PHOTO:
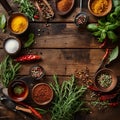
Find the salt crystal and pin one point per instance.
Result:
(12, 45)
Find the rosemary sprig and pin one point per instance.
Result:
(67, 99)
(26, 7)
(8, 70)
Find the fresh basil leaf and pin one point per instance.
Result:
(114, 54)
(30, 40)
(2, 21)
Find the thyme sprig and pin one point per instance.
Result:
(67, 99)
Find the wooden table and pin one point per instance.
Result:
(64, 48)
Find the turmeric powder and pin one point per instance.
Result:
(64, 5)
(99, 6)
(19, 24)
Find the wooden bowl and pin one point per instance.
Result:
(90, 2)
(18, 90)
(64, 12)
(18, 24)
(42, 94)
(108, 84)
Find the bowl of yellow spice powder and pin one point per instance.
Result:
(99, 8)
(18, 23)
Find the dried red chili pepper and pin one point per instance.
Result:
(113, 104)
(103, 44)
(36, 16)
(36, 113)
(27, 58)
(91, 87)
(107, 97)
(106, 54)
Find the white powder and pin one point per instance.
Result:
(12, 46)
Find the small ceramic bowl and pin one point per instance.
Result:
(12, 45)
(42, 94)
(105, 80)
(62, 13)
(15, 23)
(90, 2)
(18, 90)
(37, 72)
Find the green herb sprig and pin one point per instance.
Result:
(8, 70)
(67, 99)
(106, 26)
(26, 7)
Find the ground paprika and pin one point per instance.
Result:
(42, 93)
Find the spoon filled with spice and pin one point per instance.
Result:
(81, 18)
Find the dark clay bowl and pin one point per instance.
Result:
(103, 13)
(5, 43)
(42, 94)
(65, 12)
(18, 90)
(111, 85)
(11, 18)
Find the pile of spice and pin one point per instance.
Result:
(104, 80)
(37, 72)
(99, 6)
(42, 93)
(19, 24)
(64, 5)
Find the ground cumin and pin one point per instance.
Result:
(99, 6)
(64, 5)
(19, 24)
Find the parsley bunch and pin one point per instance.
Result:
(27, 8)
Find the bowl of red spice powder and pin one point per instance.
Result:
(42, 94)
(99, 8)
(64, 6)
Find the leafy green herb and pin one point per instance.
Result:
(114, 54)
(116, 3)
(2, 22)
(67, 99)
(30, 40)
(106, 26)
(26, 7)
(8, 70)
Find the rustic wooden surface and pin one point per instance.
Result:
(64, 48)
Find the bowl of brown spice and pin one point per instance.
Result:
(63, 7)
(105, 80)
(42, 94)
(99, 8)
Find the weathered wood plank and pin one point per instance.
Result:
(65, 61)
(59, 35)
